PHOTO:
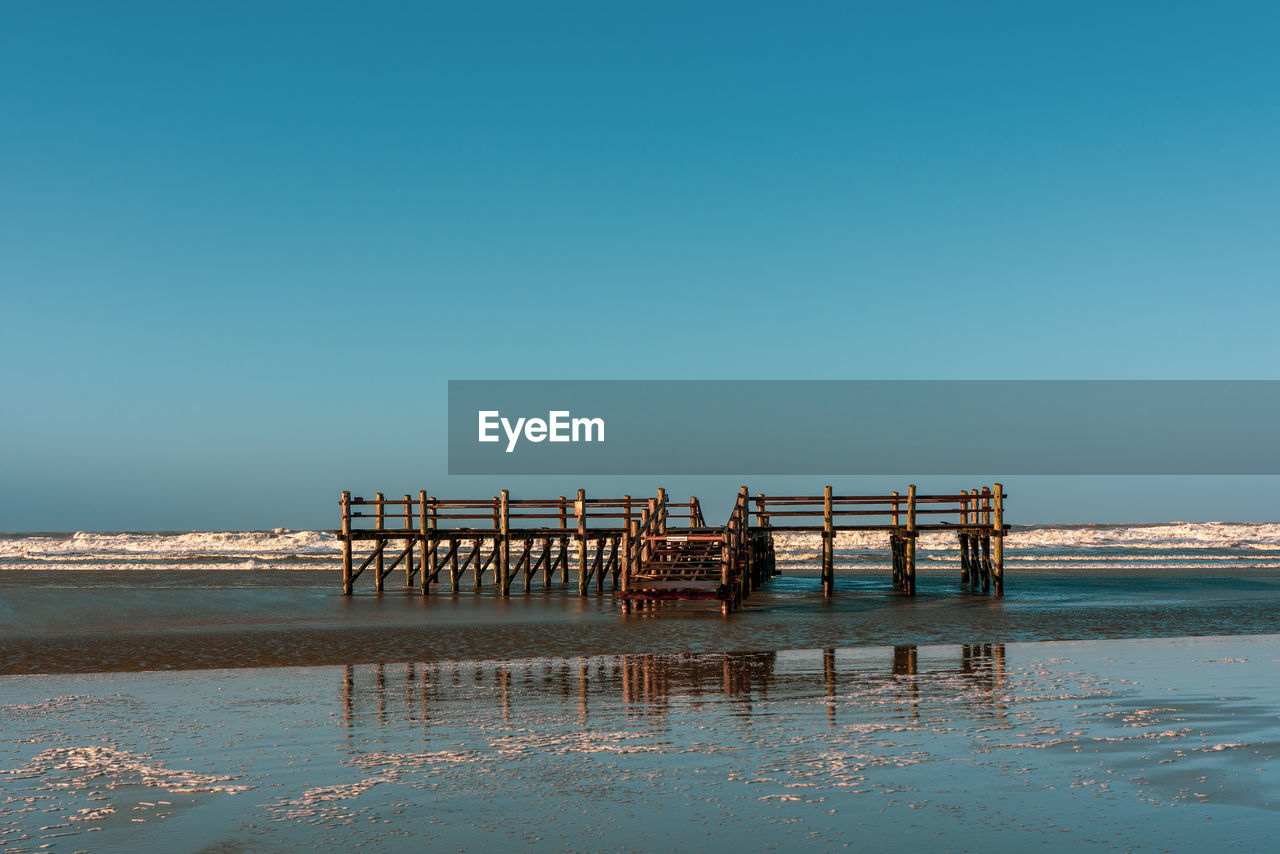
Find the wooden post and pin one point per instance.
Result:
(651, 511)
(564, 541)
(895, 545)
(896, 521)
(828, 545)
(997, 566)
(346, 543)
(453, 564)
(662, 514)
(504, 544)
(425, 581)
(731, 531)
(911, 540)
(964, 536)
(432, 522)
(377, 564)
(408, 544)
(628, 548)
(744, 534)
(580, 509)
(986, 539)
(638, 544)
(725, 575)
(628, 542)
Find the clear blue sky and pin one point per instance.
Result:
(244, 245)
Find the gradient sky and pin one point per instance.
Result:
(243, 246)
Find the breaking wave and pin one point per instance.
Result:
(1174, 544)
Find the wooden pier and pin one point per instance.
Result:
(651, 550)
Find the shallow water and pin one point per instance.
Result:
(1167, 744)
(145, 620)
(548, 721)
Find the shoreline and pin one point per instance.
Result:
(994, 747)
(52, 628)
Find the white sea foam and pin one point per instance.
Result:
(1177, 543)
(108, 767)
(1174, 535)
(193, 543)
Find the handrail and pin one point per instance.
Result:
(970, 508)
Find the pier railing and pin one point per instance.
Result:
(977, 517)
(478, 534)
(410, 514)
(654, 548)
(724, 563)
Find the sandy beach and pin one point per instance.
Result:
(260, 710)
(1156, 744)
(216, 692)
(96, 620)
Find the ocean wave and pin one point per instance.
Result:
(277, 542)
(1175, 543)
(1220, 535)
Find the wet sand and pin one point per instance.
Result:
(61, 622)
(1113, 709)
(1162, 745)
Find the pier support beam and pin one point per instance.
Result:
(580, 510)
(909, 585)
(377, 566)
(346, 543)
(564, 541)
(429, 542)
(828, 546)
(997, 566)
(504, 543)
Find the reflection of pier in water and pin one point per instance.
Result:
(650, 685)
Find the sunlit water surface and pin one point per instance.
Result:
(1165, 744)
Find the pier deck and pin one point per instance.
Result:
(653, 550)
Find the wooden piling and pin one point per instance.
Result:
(408, 544)
(564, 540)
(828, 545)
(425, 581)
(504, 543)
(997, 566)
(650, 524)
(346, 543)
(910, 580)
(628, 545)
(618, 571)
(433, 535)
(455, 577)
(726, 576)
(580, 510)
(986, 539)
(377, 565)
(743, 531)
